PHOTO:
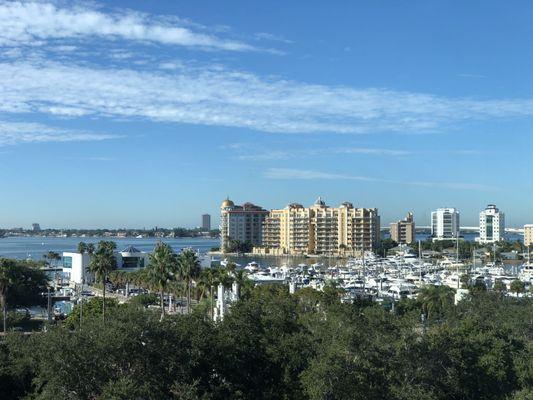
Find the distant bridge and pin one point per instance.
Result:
(474, 229)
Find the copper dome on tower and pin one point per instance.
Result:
(227, 203)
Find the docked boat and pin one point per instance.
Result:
(252, 267)
(224, 263)
(526, 274)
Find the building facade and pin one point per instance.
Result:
(491, 225)
(206, 222)
(76, 265)
(528, 234)
(445, 224)
(241, 223)
(320, 229)
(403, 231)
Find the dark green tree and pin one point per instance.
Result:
(163, 269)
(103, 261)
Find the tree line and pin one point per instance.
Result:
(274, 345)
(271, 345)
(155, 232)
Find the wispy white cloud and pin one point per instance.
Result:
(94, 158)
(372, 151)
(171, 65)
(13, 133)
(214, 95)
(64, 48)
(299, 174)
(235, 146)
(27, 22)
(272, 37)
(268, 155)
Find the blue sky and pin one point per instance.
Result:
(137, 114)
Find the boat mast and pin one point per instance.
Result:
(457, 249)
(457, 262)
(420, 260)
(474, 258)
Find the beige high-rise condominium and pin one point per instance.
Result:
(321, 229)
(241, 223)
(403, 231)
(528, 235)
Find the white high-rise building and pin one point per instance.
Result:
(445, 224)
(491, 225)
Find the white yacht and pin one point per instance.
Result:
(224, 263)
(526, 274)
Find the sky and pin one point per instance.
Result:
(141, 114)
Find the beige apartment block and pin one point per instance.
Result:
(528, 234)
(242, 223)
(403, 231)
(320, 229)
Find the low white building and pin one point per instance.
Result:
(491, 225)
(76, 265)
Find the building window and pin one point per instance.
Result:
(130, 262)
(67, 262)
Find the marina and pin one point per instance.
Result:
(392, 277)
(399, 274)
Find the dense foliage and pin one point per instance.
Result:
(235, 246)
(22, 284)
(274, 345)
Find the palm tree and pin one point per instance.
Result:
(117, 277)
(208, 280)
(203, 283)
(189, 269)
(82, 247)
(52, 258)
(435, 299)
(162, 270)
(224, 276)
(176, 288)
(90, 249)
(240, 276)
(102, 263)
(231, 267)
(7, 278)
(120, 278)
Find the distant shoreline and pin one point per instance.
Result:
(107, 237)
